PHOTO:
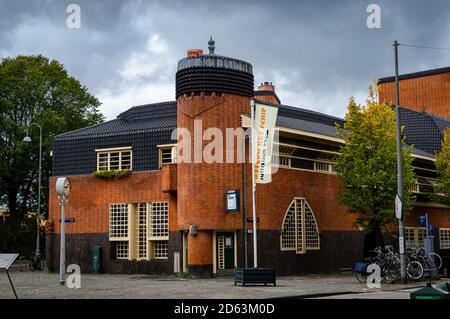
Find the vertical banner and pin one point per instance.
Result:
(264, 129)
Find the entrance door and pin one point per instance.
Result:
(225, 253)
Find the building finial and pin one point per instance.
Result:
(211, 45)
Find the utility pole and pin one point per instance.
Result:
(244, 201)
(27, 139)
(254, 141)
(62, 247)
(401, 225)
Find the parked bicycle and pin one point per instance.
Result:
(431, 262)
(389, 263)
(36, 262)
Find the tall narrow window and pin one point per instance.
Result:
(444, 238)
(118, 222)
(159, 221)
(141, 233)
(159, 230)
(299, 232)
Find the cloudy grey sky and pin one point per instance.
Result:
(317, 53)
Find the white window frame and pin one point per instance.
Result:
(122, 250)
(146, 237)
(417, 235)
(173, 154)
(116, 225)
(300, 216)
(109, 151)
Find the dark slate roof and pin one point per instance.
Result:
(423, 130)
(138, 119)
(415, 75)
(308, 126)
(305, 120)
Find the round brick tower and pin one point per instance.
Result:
(212, 91)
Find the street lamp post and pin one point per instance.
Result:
(401, 224)
(27, 139)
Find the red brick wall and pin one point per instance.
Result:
(202, 252)
(267, 98)
(438, 217)
(319, 190)
(90, 197)
(430, 93)
(202, 186)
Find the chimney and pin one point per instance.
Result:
(194, 52)
(266, 92)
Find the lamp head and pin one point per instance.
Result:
(27, 139)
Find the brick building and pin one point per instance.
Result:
(426, 91)
(168, 214)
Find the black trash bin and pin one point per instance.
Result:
(446, 266)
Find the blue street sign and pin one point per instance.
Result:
(68, 220)
(423, 221)
(430, 230)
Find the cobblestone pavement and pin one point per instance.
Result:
(46, 285)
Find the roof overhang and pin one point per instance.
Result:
(246, 123)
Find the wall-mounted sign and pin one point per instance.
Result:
(423, 221)
(250, 220)
(232, 200)
(68, 220)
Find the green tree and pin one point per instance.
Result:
(36, 89)
(367, 168)
(443, 170)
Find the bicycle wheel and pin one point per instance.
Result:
(392, 271)
(435, 260)
(362, 277)
(414, 270)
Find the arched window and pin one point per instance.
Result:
(299, 231)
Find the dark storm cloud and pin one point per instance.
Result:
(318, 53)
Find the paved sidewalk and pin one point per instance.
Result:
(46, 285)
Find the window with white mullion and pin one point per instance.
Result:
(160, 249)
(167, 155)
(299, 231)
(159, 221)
(122, 250)
(109, 160)
(118, 222)
(414, 237)
(141, 233)
(444, 238)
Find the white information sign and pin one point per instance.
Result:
(6, 260)
(398, 207)
(401, 242)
